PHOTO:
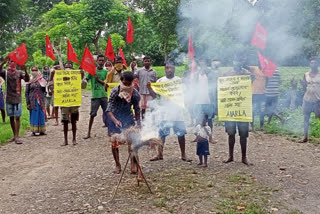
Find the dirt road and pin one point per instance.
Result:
(39, 176)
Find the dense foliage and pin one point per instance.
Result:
(159, 26)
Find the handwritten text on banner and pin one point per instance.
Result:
(235, 98)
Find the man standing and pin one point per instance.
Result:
(51, 88)
(243, 127)
(172, 116)
(145, 75)
(49, 100)
(203, 103)
(99, 95)
(74, 114)
(258, 95)
(311, 99)
(13, 79)
(120, 114)
(272, 94)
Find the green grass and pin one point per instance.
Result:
(5, 128)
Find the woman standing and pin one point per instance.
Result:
(35, 97)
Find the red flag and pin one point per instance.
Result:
(130, 31)
(191, 55)
(87, 62)
(49, 49)
(109, 50)
(72, 56)
(123, 58)
(19, 55)
(190, 48)
(268, 67)
(259, 38)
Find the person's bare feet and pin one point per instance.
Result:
(87, 137)
(245, 161)
(204, 165)
(156, 158)
(56, 124)
(64, 144)
(199, 164)
(186, 159)
(17, 141)
(304, 140)
(11, 140)
(117, 170)
(74, 142)
(228, 161)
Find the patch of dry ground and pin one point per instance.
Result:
(42, 177)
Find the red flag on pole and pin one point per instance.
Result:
(268, 67)
(259, 38)
(19, 55)
(109, 50)
(191, 55)
(190, 48)
(130, 31)
(72, 56)
(123, 58)
(49, 49)
(87, 62)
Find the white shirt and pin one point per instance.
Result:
(168, 110)
(203, 131)
(202, 94)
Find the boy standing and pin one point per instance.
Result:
(145, 75)
(99, 95)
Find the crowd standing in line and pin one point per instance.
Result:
(129, 101)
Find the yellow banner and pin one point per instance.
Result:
(67, 88)
(235, 98)
(111, 86)
(173, 90)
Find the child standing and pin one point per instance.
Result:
(203, 135)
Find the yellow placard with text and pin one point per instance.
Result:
(67, 88)
(172, 90)
(111, 86)
(235, 98)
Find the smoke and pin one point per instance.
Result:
(221, 27)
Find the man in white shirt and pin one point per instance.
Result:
(172, 116)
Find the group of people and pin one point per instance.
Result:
(127, 103)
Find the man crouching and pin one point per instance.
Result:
(120, 116)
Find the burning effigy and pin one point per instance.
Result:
(134, 139)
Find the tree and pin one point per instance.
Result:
(163, 15)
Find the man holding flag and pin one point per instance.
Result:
(13, 78)
(99, 95)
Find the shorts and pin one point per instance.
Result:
(14, 109)
(112, 129)
(49, 101)
(258, 103)
(201, 110)
(96, 103)
(243, 128)
(271, 104)
(65, 111)
(309, 107)
(203, 148)
(145, 98)
(178, 127)
(1, 102)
